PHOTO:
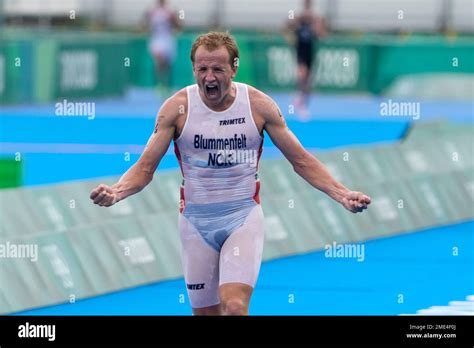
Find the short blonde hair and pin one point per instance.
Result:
(214, 40)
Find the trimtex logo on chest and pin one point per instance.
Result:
(231, 122)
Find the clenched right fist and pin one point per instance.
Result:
(104, 195)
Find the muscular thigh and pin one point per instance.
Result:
(241, 254)
(200, 266)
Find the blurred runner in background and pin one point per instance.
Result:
(303, 32)
(161, 21)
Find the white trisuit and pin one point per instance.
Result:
(221, 220)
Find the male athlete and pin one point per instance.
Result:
(217, 127)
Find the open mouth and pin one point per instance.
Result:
(212, 90)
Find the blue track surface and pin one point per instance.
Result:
(64, 148)
(59, 137)
(420, 266)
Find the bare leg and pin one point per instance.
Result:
(304, 88)
(162, 71)
(303, 79)
(235, 298)
(212, 310)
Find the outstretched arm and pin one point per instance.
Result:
(319, 26)
(176, 22)
(305, 164)
(141, 173)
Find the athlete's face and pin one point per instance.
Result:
(214, 74)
